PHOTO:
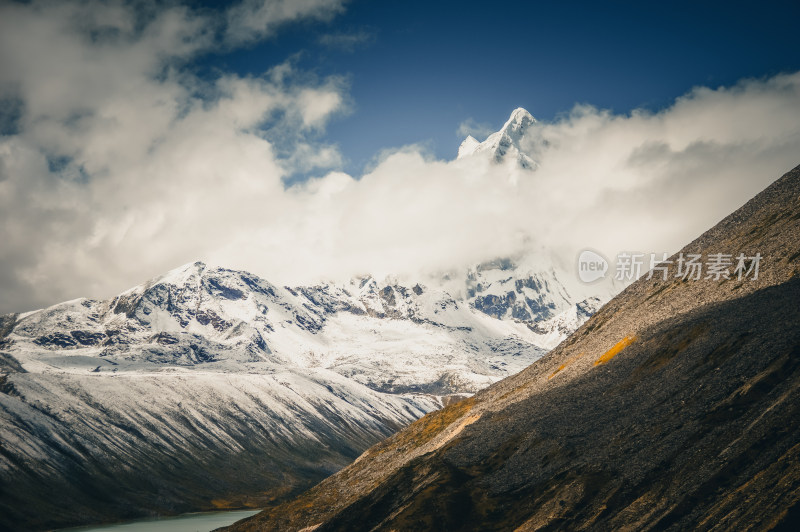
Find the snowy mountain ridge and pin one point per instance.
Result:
(228, 321)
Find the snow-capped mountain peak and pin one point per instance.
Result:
(182, 274)
(505, 144)
(468, 146)
(519, 120)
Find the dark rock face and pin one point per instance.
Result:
(674, 407)
(56, 340)
(492, 305)
(387, 294)
(88, 337)
(217, 289)
(7, 323)
(209, 316)
(308, 323)
(540, 308)
(125, 305)
(527, 298)
(588, 307)
(165, 339)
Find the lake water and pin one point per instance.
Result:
(199, 522)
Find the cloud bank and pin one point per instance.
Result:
(118, 163)
(646, 182)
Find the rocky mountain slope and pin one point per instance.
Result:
(674, 407)
(212, 388)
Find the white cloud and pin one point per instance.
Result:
(646, 182)
(318, 104)
(123, 165)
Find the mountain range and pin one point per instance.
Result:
(211, 388)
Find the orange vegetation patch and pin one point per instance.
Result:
(223, 504)
(614, 351)
(569, 361)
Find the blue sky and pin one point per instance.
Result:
(416, 70)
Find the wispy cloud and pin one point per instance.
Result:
(252, 20)
(471, 127)
(347, 42)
